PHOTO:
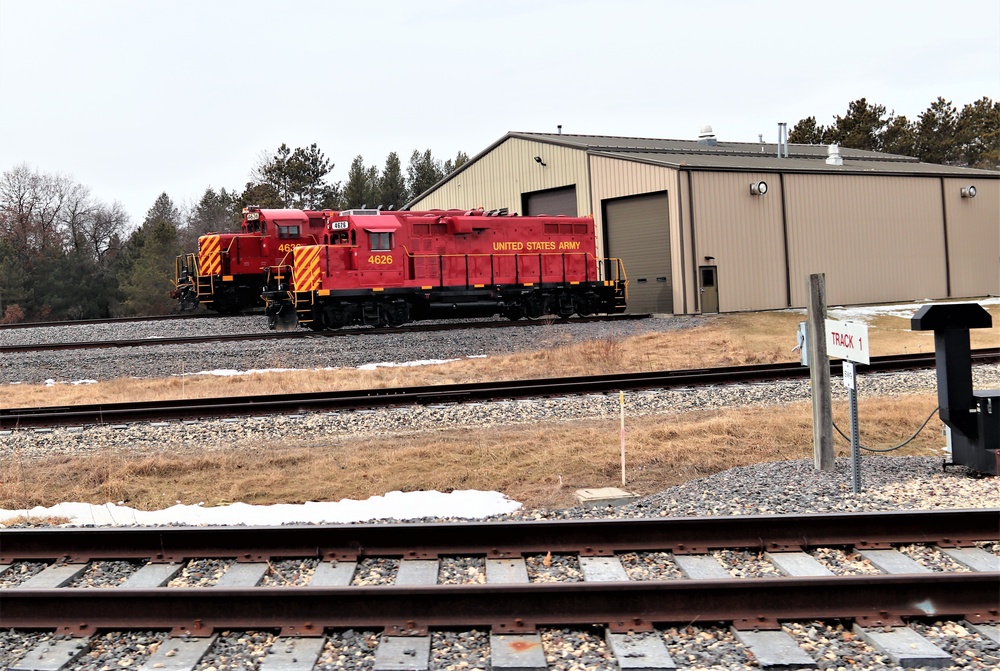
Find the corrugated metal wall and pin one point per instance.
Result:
(877, 238)
(499, 178)
(744, 234)
(973, 237)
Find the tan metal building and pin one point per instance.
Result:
(697, 233)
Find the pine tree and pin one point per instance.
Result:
(147, 267)
(392, 193)
(937, 128)
(361, 189)
(423, 172)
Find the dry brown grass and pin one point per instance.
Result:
(539, 464)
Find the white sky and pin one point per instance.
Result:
(136, 98)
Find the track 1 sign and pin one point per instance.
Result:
(847, 340)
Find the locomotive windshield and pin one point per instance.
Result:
(253, 222)
(339, 235)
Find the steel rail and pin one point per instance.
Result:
(680, 535)
(298, 335)
(507, 608)
(116, 413)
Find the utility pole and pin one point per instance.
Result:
(819, 374)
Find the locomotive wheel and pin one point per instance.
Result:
(534, 308)
(334, 318)
(397, 314)
(587, 305)
(513, 312)
(564, 306)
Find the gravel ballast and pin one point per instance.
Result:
(380, 345)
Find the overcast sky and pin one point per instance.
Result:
(133, 99)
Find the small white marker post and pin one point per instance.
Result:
(849, 341)
(851, 384)
(621, 397)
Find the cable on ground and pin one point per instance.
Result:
(895, 447)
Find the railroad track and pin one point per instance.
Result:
(122, 320)
(505, 594)
(243, 406)
(292, 335)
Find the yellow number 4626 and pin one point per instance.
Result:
(380, 260)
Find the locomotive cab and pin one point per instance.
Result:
(230, 268)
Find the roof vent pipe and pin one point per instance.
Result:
(707, 137)
(833, 156)
(559, 128)
(782, 139)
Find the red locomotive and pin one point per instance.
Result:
(229, 269)
(390, 268)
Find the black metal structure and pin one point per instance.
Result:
(973, 417)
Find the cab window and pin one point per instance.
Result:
(288, 231)
(380, 242)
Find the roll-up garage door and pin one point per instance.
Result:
(551, 201)
(637, 230)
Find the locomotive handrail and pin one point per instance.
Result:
(491, 256)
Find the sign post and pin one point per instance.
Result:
(849, 341)
(819, 374)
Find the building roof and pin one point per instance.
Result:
(600, 143)
(764, 162)
(741, 156)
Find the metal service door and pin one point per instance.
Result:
(550, 201)
(637, 230)
(708, 279)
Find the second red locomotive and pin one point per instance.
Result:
(390, 268)
(228, 271)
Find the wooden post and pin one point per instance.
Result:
(819, 374)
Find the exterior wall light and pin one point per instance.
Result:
(758, 188)
(968, 192)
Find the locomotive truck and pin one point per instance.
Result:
(389, 268)
(227, 272)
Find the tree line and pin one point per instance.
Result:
(64, 254)
(941, 134)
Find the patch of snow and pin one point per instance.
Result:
(464, 504)
(232, 372)
(864, 313)
(391, 364)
